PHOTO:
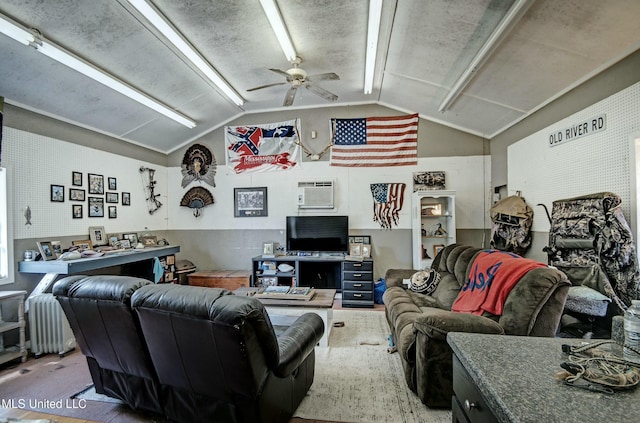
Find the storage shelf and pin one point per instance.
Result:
(440, 200)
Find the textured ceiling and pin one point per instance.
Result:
(423, 47)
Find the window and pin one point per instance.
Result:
(6, 239)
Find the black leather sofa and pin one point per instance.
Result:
(192, 354)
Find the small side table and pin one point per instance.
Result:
(8, 353)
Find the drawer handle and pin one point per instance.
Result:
(357, 295)
(357, 285)
(469, 405)
(357, 275)
(357, 265)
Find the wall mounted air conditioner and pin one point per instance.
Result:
(315, 195)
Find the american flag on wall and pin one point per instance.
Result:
(375, 141)
(387, 203)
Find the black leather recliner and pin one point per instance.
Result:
(108, 333)
(189, 353)
(217, 356)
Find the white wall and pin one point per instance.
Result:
(467, 175)
(39, 161)
(595, 163)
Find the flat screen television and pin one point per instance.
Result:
(327, 234)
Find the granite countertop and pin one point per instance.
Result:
(516, 376)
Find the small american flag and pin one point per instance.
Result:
(375, 141)
(387, 203)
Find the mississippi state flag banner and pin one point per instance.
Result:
(263, 148)
(375, 141)
(387, 203)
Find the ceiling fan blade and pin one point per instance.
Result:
(330, 76)
(291, 95)
(281, 72)
(327, 95)
(267, 86)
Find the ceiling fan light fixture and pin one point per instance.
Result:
(59, 54)
(373, 32)
(277, 24)
(162, 25)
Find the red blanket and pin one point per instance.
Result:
(493, 274)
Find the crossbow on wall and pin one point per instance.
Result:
(152, 200)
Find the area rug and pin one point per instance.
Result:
(90, 394)
(358, 381)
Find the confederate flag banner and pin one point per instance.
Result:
(375, 141)
(263, 148)
(387, 203)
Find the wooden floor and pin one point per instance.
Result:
(41, 389)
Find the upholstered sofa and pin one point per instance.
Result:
(420, 323)
(191, 354)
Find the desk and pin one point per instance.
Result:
(53, 268)
(514, 377)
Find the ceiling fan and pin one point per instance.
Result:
(297, 77)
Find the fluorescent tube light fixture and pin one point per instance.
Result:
(511, 18)
(373, 31)
(59, 54)
(275, 19)
(162, 25)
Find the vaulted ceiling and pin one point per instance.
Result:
(424, 46)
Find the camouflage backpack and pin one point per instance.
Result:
(591, 230)
(511, 220)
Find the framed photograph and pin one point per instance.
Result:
(57, 248)
(98, 236)
(76, 194)
(76, 211)
(83, 244)
(437, 248)
(149, 241)
(125, 243)
(111, 197)
(113, 213)
(46, 250)
(96, 207)
(355, 250)
(132, 238)
(112, 184)
(267, 249)
(76, 179)
(360, 239)
(57, 193)
(96, 183)
(126, 198)
(428, 180)
(366, 250)
(250, 202)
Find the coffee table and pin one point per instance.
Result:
(284, 312)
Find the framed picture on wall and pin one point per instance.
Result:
(113, 212)
(112, 184)
(76, 211)
(76, 179)
(76, 194)
(96, 207)
(112, 197)
(126, 198)
(96, 184)
(57, 193)
(250, 202)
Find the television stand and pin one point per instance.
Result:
(324, 271)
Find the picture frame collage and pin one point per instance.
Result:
(360, 246)
(92, 195)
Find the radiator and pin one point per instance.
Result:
(49, 328)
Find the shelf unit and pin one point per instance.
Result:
(433, 224)
(11, 352)
(321, 271)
